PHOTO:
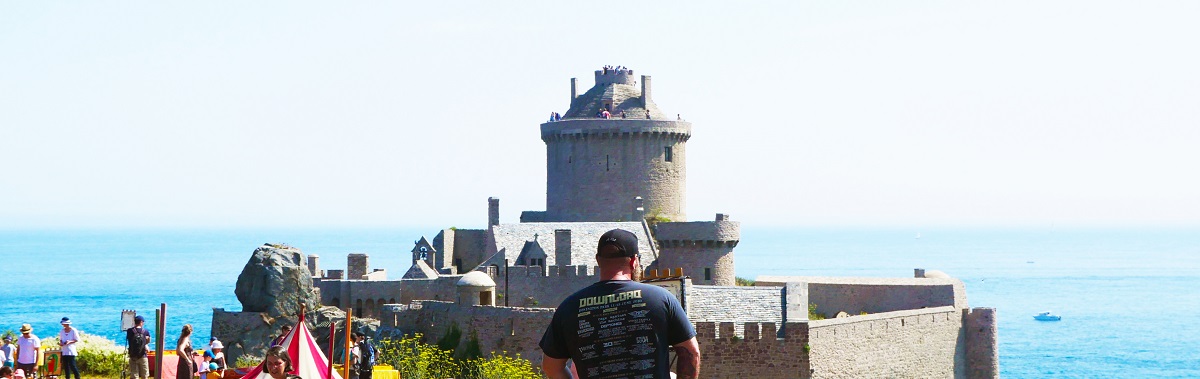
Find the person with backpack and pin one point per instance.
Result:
(138, 340)
(366, 363)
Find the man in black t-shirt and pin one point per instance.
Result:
(619, 328)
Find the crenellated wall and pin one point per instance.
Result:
(920, 343)
(737, 305)
(757, 353)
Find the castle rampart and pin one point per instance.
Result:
(757, 353)
(921, 343)
(736, 305)
(874, 295)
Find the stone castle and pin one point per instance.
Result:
(614, 160)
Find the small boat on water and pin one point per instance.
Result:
(1047, 316)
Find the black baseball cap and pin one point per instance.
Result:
(625, 242)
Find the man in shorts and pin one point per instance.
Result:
(28, 347)
(138, 340)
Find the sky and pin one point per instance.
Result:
(805, 114)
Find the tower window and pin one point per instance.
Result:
(707, 273)
(667, 153)
(607, 162)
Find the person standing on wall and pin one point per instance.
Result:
(138, 340)
(28, 348)
(618, 327)
(67, 339)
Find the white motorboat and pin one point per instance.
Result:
(1047, 316)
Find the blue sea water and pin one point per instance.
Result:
(1127, 296)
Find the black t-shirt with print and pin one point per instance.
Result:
(618, 329)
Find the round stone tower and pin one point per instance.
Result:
(625, 167)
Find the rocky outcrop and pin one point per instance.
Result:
(273, 286)
(251, 333)
(276, 281)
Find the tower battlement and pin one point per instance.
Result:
(604, 77)
(611, 147)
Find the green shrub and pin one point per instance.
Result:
(450, 340)
(98, 356)
(812, 313)
(500, 367)
(247, 360)
(471, 350)
(743, 281)
(416, 359)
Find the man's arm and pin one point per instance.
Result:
(555, 368)
(688, 353)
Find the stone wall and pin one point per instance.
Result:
(875, 295)
(594, 168)
(364, 296)
(757, 353)
(515, 330)
(983, 355)
(463, 246)
(442, 288)
(528, 286)
(922, 343)
(737, 305)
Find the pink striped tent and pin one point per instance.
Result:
(308, 361)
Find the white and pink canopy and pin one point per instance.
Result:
(308, 361)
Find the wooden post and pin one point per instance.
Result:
(160, 321)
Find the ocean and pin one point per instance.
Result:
(1128, 297)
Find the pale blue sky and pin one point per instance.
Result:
(910, 114)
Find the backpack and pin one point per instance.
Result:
(137, 341)
(368, 353)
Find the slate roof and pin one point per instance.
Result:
(624, 98)
(584, 235)
(532, 250)
(420, 270)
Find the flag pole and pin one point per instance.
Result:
(332, 337)
(349, 325)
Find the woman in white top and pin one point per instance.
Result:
(67, 338)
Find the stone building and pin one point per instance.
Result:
(615, 161)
